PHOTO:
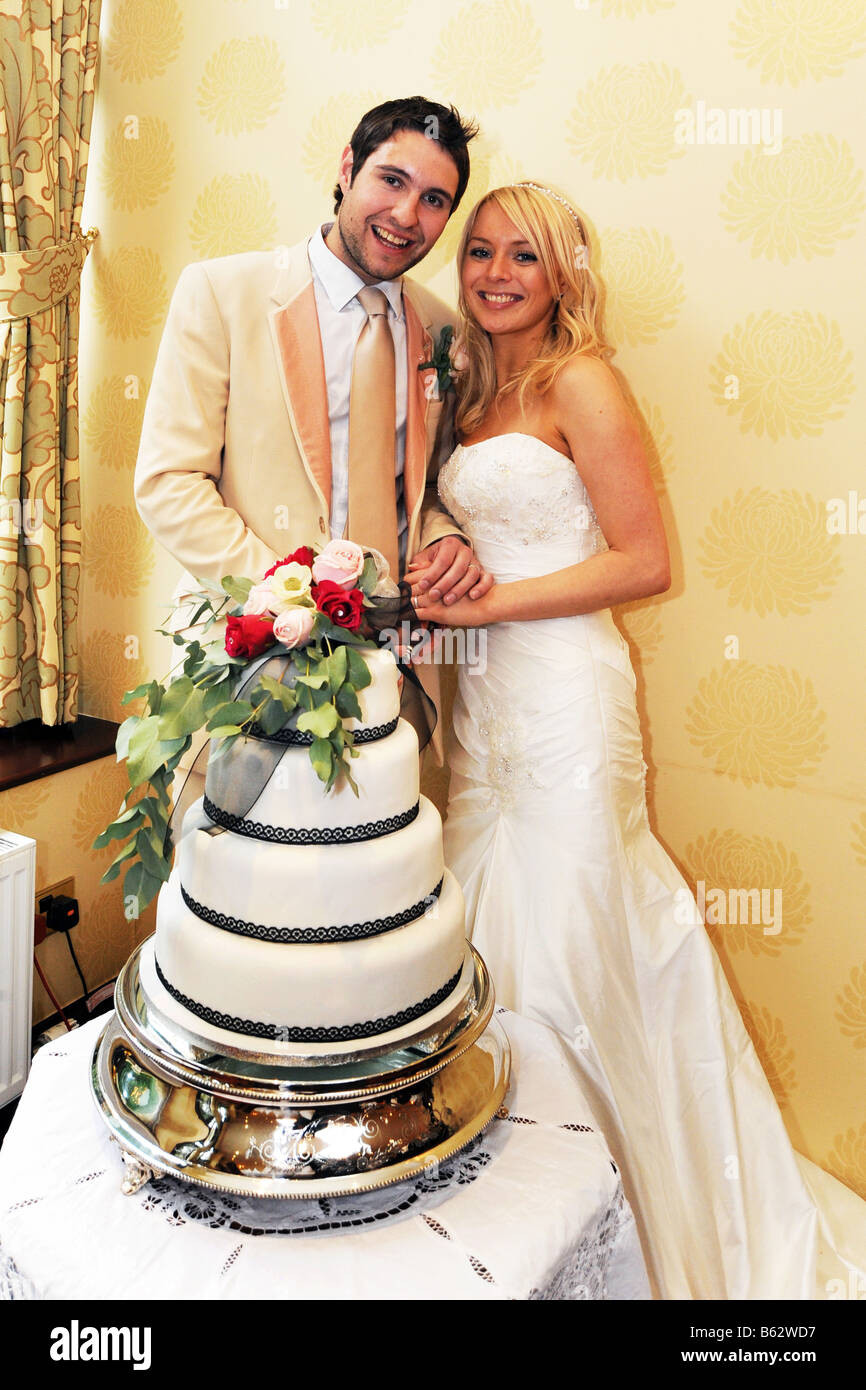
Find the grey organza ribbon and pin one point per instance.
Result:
(416, 707)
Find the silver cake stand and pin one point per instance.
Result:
(262, 1125)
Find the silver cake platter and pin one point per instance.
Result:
(142, 1001)
(255, 1124)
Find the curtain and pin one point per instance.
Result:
(48, 50)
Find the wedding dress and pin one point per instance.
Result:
(578, 911)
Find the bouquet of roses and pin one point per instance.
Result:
(311, 608)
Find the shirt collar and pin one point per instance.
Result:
(340, 283)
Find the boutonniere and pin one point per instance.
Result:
(444, 366)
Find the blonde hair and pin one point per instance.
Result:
(558, 236)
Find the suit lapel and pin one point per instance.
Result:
(298, 346)
(297, 343)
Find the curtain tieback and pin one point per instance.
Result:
(33, 281)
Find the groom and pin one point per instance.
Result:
(287, 405)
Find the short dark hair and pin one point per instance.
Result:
(413, 113)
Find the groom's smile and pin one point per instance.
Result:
(389, 239)
(394, 207)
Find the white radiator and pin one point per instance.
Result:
(17, 888)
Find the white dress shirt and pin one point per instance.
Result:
(341, 318)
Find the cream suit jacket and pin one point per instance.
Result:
(234, 467)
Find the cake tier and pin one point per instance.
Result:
(303, 992)
(309, 886)
(379, 701)
(386, 772)
(230, 1041)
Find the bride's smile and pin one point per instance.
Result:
(504, 282)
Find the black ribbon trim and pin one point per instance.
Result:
(325, 835)
(357, 931)
(296, 739)
(347, 1032)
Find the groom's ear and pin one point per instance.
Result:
(347, 160)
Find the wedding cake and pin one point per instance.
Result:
(313, 921)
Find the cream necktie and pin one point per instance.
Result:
(372, 519)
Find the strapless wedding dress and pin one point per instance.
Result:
(578, 910)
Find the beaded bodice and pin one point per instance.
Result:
(514, 489)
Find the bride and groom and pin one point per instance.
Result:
(275, 391)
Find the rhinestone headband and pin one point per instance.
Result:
(550, 193)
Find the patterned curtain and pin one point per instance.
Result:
(48, 50)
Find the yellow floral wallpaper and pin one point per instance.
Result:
(715, 151)
(64, 814)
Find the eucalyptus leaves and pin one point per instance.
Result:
(316, 691)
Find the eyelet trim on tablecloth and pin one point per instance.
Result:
(180, 1202)
(297, 739)
(346, 1032)
(325, 835)
(358, 931)
(583, 1275)
(14, 1286)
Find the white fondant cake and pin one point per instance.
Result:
(312, 920)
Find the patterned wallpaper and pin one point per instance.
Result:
(717, 154)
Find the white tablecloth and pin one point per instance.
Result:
(533, 1209)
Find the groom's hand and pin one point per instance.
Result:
(446, 571)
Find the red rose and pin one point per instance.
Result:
(249, 635)
(343, 606)
(302, 556)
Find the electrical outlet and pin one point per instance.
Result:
(66, 886)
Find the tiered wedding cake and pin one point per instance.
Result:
(321, 922)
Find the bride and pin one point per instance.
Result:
(570, 899)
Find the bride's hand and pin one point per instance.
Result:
(464, 612)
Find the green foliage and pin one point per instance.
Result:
(314, 680)
(322, 756)
(229, 712)
(347, 703)
(238, 589)
(320, 721)
(324, 628)
(282, 693)
(357, 670)
(149, 749)
(182, 708)
(441, 360)
(336, 667)
(321, 680)
(368, 576)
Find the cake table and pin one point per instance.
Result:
(532, 1209)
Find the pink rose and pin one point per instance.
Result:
(259, 602)
(293, 627)
(340, 562)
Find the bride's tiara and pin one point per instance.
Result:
(550, 193)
